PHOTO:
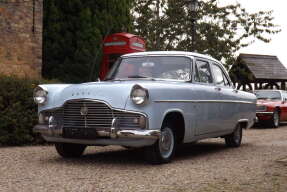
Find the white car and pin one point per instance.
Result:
(154, 100)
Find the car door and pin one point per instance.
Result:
(207, 109)
(227, 97)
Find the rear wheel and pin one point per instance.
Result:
(164, 148)
(275, 121)
(69, 150)
(234, 139)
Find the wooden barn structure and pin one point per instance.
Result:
(252, 71)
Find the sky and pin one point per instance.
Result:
(277, 46)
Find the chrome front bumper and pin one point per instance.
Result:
(113, 133)
(264, 113)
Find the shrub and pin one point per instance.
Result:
(18, 113)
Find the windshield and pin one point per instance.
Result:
(273, 95)
(154, 67)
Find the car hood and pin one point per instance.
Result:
(114, 94)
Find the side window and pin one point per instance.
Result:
(202, 72)
(219, 76)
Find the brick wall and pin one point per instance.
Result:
(21, 37)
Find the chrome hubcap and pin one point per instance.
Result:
(276, 119)
(166, 142)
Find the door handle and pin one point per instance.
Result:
(235, 91)
(217, 88)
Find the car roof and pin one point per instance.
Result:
(170, 53)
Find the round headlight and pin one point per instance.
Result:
(40, 95)
(139, 95)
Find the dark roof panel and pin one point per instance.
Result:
(264, 66)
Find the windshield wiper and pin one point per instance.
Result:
(112, 79)
(274, 98)
(139, 76)
(262, 98)
(133, 76)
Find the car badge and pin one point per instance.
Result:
(84, 110)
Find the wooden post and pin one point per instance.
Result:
(244, 87)
(260, 85)
(255, 85)
(238, 86)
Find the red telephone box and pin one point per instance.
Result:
(118, 44)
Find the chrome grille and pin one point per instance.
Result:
(125, 120)
(99, 115)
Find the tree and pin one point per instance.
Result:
(73, 33)
(220, 30)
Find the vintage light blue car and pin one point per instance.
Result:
(154, 100)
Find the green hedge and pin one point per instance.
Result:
(18, 113)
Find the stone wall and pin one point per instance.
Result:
(21, 37)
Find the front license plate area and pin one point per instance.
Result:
(79, 133)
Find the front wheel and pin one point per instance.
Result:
(234, 139)
(69, 150)
(275, 121)
(164, 148)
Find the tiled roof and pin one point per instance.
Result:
(264, 66)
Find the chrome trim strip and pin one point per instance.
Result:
(95, 100)
(203, 101)
(135, 112)
(266, 112)
(44, 88)
(139, 134)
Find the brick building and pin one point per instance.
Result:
(21, 37)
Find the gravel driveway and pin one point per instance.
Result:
(205, 166)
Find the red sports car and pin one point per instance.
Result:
(271, 107)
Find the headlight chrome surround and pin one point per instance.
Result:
(40, 95)
(139, 95)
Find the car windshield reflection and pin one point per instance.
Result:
(152, 67)
(268, 95)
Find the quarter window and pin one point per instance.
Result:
(219, 76)
(202, 72)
